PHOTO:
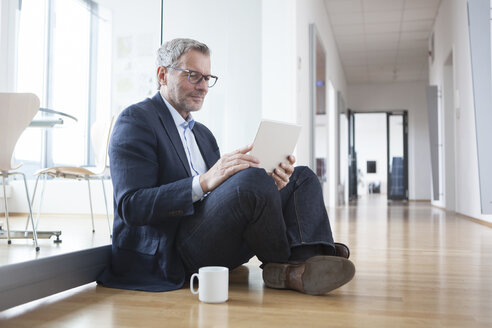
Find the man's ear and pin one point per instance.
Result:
(161, 75)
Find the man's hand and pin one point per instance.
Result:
(226, 166)
(282, 173)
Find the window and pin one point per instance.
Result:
(69, 79)
(30, 76)
(87, 58)
(64, 56)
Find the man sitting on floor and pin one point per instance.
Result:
(180, 206)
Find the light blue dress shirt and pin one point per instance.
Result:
(195, 159)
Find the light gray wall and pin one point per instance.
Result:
(448, 148)
(480, 44)
(314, 12)
(307, 12)
(232, 30)
(434, 140)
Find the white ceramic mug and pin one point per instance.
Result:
(213, 284)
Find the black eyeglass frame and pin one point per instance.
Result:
(204, 76)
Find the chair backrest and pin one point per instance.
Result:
(16, 112)
(100, 136)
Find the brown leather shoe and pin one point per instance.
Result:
(342, 250)
(316, 276)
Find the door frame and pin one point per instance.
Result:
(352, 157)
(353, 193)
(404, 115)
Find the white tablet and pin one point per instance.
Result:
(274, 141)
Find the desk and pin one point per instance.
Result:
(45, 122)
(50, 119)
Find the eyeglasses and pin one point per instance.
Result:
(195, 77)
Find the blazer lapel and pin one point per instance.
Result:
(171, 130)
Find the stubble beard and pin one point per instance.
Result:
(186, 103)
(190, 104)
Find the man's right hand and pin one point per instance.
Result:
(226, 166)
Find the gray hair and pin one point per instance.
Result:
(170, 52)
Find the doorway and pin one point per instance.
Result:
(377, 151)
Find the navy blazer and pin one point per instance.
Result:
(152, 186)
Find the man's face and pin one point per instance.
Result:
(175, 87)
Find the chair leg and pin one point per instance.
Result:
(34, 233)
(107, 212)
(32, 202)
(6, 209)
(41, 200)
(90, 203)
(38, 214)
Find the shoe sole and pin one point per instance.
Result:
(326, 273)
(319, 274)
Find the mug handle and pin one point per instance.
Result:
(191, 283)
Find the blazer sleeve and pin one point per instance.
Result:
(140, 198)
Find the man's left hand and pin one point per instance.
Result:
(282, 173)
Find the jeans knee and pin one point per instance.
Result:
(305, 172)
(257, 181)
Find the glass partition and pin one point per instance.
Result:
(89, 59)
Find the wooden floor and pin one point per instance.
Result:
(76, 234)
(417, 266)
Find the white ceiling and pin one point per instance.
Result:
(383, 40)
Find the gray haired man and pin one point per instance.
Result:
(180, 205)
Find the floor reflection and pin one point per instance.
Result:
(76, 235)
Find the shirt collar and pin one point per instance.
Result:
(178, 119)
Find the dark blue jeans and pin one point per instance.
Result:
(247, 215)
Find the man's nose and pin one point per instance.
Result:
(202, 85)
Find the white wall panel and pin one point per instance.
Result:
(451, 36)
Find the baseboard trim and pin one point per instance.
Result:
(2, 214)
(466, 217)
(439, 207)
(469, 218)
(28, 281)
